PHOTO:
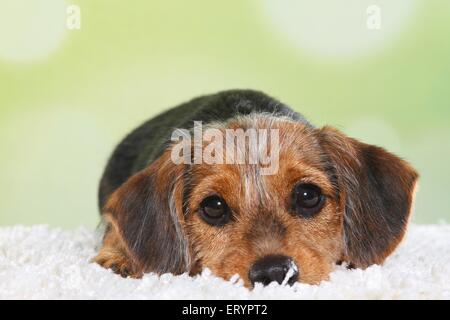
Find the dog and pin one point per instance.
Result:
(330, 199)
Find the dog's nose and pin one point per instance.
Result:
(277, 268)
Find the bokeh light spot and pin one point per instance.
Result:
(31, 30)
(337, 29)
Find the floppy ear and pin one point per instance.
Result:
(146, 212)
(376, 193)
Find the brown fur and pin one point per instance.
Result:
(356, 223)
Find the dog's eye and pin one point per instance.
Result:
(308, 199)
(215, 211)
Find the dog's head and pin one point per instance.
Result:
(330, 199)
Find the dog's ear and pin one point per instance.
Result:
(376, 194)
(146, 212)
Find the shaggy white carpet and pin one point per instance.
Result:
(44, 263)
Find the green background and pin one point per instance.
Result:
(65, 103)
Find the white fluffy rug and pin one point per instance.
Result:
(44, 263)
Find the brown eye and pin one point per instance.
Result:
(308, 199)
(214, 210)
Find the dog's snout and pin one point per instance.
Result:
(277, 268)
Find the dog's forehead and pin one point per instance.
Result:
(293, 138)
(294, 142)
(298, 153)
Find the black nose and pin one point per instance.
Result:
(274, 268)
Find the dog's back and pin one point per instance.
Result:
(148, 141)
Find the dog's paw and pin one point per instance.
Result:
(117, 262)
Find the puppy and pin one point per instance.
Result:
(329, 198)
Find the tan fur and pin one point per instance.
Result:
(263, 223)
(313, 244)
